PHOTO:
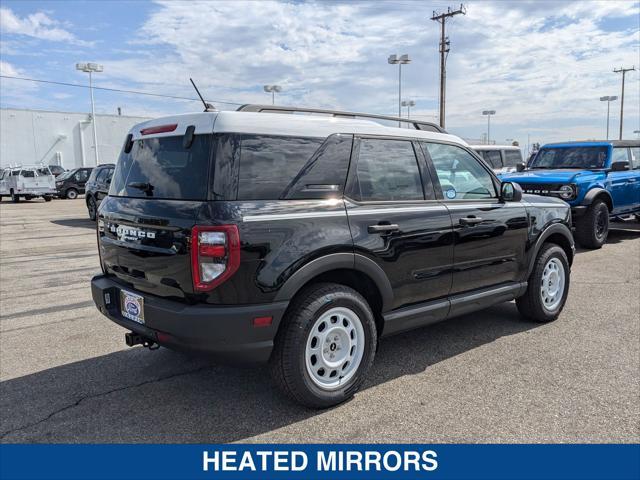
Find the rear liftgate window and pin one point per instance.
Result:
(162, 167)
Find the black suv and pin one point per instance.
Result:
(71, 183)
(97, 187)
(301, 240)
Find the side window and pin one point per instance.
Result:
(101, 176)
(620, 154)
(493, 158)
(324, 174)
(94, 175)
(387, 170)
(269, 163)
(461, 176)
(109, 174)
(512, 158)
(635, 157)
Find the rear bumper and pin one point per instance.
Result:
(225, 332)
(36, 192)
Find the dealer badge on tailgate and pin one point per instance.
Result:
(132, 306)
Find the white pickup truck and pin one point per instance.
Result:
(27, 182)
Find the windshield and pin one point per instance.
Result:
(66, 174)
(162, 167)
(571, 157)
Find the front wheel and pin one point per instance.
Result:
(548, 285)
(71, 194)
(14, 198)
(325, 347)
(593, 228)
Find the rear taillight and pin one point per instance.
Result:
(215, 255)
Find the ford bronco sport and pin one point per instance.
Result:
(302, 239)
(599, 180)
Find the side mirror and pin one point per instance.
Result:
(520, 167)
(620, 166)
(510, 192)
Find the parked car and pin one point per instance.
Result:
(71, 183)
(97, 187)
(300, 240)
(502, 158)
(56, 170)
(27, 182)
(600, 180)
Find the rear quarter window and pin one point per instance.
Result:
(268, 164)
(512, 158)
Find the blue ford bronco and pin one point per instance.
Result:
(599, 179)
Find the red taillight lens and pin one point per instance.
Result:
(215, 255)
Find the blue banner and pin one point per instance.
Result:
(308, 462)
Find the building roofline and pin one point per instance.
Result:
(33, 110)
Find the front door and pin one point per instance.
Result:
(396, 220)
(490, 235)
(623, 183)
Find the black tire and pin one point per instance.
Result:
(288, 363)
(71, 194)
(28, 197)
(92, 207)
(531, 305)
(592, 229)
(47, 198)
(14, 198)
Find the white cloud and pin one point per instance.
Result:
(7, 69)
(37, 25)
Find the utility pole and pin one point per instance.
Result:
(444, 50)
(623, 71)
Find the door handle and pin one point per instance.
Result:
(383, 228)
(470, 221)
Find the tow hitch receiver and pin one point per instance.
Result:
(132, 339)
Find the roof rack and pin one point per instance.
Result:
(417, 124)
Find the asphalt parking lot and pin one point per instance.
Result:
(67, 376)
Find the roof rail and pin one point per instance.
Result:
(417, 124)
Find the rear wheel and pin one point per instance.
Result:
(325, 347)
(592, 229)
(47, 198)
(71, 194)
(92, 207)
(14, 198)
(548, 285)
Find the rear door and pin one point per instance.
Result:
(145, 223)
(396, 220)
(490, 235)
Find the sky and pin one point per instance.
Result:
(541, 65)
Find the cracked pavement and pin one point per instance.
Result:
(67, 376)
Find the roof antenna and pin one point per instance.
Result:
(207, 106)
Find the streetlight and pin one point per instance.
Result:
(92, 68)
(608, 99)
(488, 113)
(408, 104)
(399, 60)
(273, 89)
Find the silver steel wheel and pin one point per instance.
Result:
(72, 194)
(552, 284)
(335, 347)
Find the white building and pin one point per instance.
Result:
(60, 138)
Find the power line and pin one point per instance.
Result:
(444, 53)
(117, 90)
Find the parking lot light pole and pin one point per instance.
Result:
(608, 99)
(92, 68)
(399, 60)
(488, 113)
(408, 104)
(273, 89)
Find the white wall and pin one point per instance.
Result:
(60, 138)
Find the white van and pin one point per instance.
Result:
(501, 158)
(27, 182)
